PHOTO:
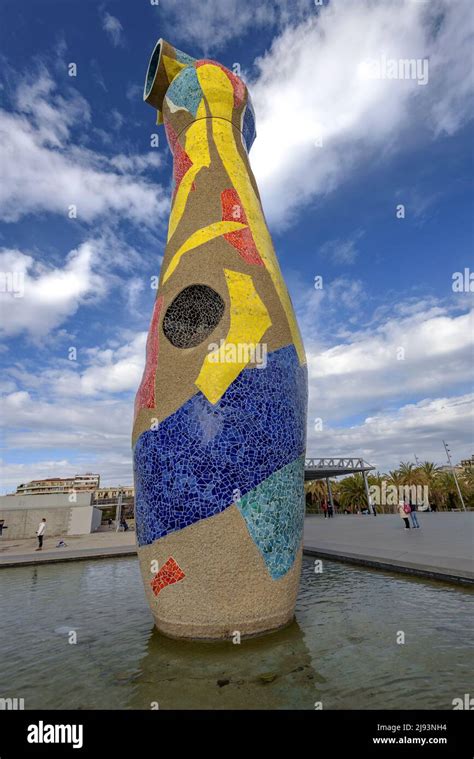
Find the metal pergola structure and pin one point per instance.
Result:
(337, 466)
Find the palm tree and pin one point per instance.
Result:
(395, 478)
(408, 473)
(351, 492)
(429, 476)
(429, 470)
(467, 487)
(317, 492)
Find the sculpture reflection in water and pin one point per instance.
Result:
(269, 672)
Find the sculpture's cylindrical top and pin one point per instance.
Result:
(176, 84)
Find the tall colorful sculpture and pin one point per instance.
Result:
(220, 415)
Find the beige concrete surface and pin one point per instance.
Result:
(442, 548)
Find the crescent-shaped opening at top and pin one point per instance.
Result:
(152, 69)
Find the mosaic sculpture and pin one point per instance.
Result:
(220, 415)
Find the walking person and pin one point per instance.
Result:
(413, 516)
(330, 510)
(40, 534)
(402, 510)
(324, 507)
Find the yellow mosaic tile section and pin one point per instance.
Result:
(213, 80)
(197, 148)
(199, 237)
(249, 320)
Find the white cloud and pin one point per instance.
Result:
(41, 297)
(419, 355)
(136, 163)
(38, 423)
(110, 371)
(44, 171)
(113, 27)
(309, 87)
(50, 113)
(341, 251)
(393, 436)
(96, 372)
(210, 24)
(97, 431)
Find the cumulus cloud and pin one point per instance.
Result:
(319, 117)
(416, 356)
(392, 436)
(109, 371)
(43, 170)
(36, 298)
(96, 434)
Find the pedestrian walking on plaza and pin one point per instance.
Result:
(330, 510)
(414, 518)
(402, 510)
(40, 533)
(324, 507)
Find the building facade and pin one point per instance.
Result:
(84, 483)
(101, 495)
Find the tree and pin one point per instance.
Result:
(317, 492)
(409, 475)
(351, 492)
(429, 476)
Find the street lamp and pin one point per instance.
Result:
(448, 454)
(118, 511)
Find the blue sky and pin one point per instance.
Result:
(389, 343)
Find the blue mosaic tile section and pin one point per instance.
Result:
(184, 58)
(274, 513)
(185, 90)
(189, 467)
(248, 125)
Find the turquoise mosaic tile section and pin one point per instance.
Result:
(185, 91)
(274, 513)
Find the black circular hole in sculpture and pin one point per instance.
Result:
(192, 316)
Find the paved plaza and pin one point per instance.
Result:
(442, 548)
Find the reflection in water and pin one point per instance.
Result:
(258, 672)
(342, 649)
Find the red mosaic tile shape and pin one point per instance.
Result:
(182, 162)
(145, 397)
(242, 240)
(169, 573)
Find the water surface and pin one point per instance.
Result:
(342, 649)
